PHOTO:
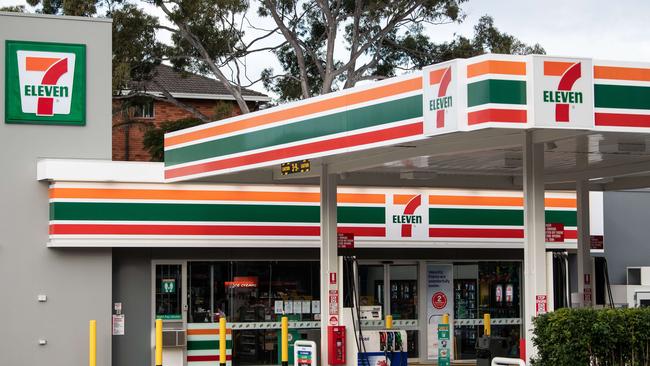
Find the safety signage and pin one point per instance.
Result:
(554, 232)
(439, 300)
(168, 285)
(118, 324)
(540, 304)
(45, 83)
(334, 302)
(345, 240)
(597, 242)
(443, 345)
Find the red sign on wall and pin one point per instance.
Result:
(597, 242)
(345, 240)
(554, 232)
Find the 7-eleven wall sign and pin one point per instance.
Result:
(563, 89)
(45, 83)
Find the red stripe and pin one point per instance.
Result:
(293, 151)
(497, 115)
(363, 231)
(475, 233)
(121, 229)
(570, 234)
(442, 91)
(410, 208)
(45, 106)
(206, 358)
(622, 120)
(566, 83)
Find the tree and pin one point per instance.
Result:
(313, 29)
(13, 8)
(398, 51)
(207, 38)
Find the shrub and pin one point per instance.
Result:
(596, 337)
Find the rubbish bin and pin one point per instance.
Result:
(488, 347)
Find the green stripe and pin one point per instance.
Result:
(622, 96)
(497, 217)
(201, 345)
(208, 212)
(496, 91)
(374, 115)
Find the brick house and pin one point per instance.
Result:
(202, 93)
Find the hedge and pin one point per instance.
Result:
(596, 337)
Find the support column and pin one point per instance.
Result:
(534, 234)
(585, 265)
(328, 257)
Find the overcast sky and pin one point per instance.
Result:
(603, 29)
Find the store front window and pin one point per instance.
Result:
(254, 292)
(486, 288)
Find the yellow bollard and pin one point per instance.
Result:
(159, 343)
(487, 327)
(285, 341)
(445, 318)
(389, 322)
(92, 343)
(222, 341)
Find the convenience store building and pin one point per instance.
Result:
(425, 172)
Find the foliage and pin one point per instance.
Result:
(13, 8)
(154, 137)
(84, 8)
(591, 337)
(369, 30)
(399, 50)
(207, 37)
(136, 50)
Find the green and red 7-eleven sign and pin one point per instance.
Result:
(45, 83)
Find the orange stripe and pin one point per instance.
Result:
(402, 199)
(621, 73)
(497, 201)
(556, 68)
(206, 331)
(299, 111)
(178, 194)
(496, 67)
(436, 75)
(39, 63)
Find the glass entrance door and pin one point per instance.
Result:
(169, 304)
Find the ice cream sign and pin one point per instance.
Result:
(45, 83)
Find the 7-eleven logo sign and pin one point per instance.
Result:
(564, 92)
(407, 217)
(45, 82)
(568, 73)
(442, 102)
(441, 97)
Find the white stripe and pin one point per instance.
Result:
(623, 111)
(497, 77)
(480, 107)
(206, 223)
(622, 82)
(209, 202)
